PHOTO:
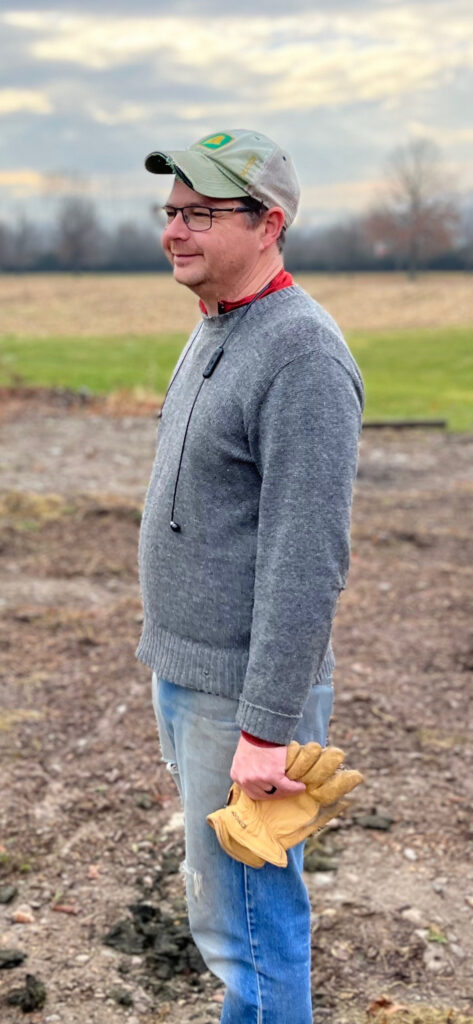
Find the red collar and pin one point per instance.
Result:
(282, 280)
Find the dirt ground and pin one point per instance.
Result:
(90, 822)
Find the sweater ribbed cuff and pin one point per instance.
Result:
(269, 725)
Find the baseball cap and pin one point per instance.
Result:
(234, 163)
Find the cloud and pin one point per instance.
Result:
(124, 113)
(13, 101)
(442, 136)
(339, 84)
(26, 182)
(333, 195)
(323, 59)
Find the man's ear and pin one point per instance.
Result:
(273, 225)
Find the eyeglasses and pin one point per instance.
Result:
(197, 218)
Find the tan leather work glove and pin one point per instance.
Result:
(255, 831)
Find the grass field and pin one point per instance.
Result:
(413, 341)
(413, 374)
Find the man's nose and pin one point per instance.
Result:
(178, 227)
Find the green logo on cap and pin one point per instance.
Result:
(216, 141)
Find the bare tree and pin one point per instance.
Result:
(5, 245)
(25, 243)
(135, 246)
(79, 234)
(418, 216)
(466, 246)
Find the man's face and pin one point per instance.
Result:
(215, 261)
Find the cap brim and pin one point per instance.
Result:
(198, 171)
(159, 163)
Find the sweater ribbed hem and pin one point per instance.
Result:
(188, 663)
(326, 669)
(198, 666)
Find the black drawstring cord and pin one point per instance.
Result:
(175, 526)
(179, 366)
(209, 369)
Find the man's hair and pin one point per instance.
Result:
(256, 209)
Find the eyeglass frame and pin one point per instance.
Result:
(211, 210)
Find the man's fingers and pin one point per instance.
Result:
(288, 786)
(284, 787)
(256, 793)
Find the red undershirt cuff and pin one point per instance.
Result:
(258, 742)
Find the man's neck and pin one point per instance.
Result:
(249, 286)
(280, 280)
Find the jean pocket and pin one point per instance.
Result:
(314, 724)
(165, 738)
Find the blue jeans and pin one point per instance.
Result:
(251, 925)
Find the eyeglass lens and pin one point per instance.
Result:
(197, 218)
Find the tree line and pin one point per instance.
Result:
(418, 221)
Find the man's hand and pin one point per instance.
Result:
(259, 769)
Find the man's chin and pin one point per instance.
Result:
(187, 274)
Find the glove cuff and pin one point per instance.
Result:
(243, 825)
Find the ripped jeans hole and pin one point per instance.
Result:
(192, 877)
(172, 767)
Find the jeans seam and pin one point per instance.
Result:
(248, 921)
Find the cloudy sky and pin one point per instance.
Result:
(87, 90)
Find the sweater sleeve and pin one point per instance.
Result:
(304, 440)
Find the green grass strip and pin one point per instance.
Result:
(408, 374)
(102, 364)
(417, 374)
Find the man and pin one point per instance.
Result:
(244, 549)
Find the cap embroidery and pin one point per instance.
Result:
(216, 141)
(247, 168)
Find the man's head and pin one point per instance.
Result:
(231, 164)
(233, 196)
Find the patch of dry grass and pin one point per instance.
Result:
(53, 305)
(11, 716)
(425, 1015)
(420, 1014)
(17, 505)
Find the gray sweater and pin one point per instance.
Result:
(255, 466)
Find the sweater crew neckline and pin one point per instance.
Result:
(282, 280)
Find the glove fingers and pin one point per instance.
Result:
(292, 753)
(305, 758)
(329, 812)
(326, 814)
(330, 759)
(339, 785)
